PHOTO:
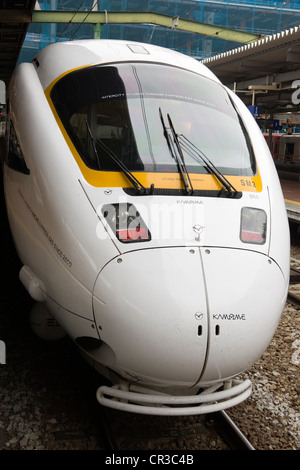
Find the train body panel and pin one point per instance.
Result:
(147, 211)
(53, 219)
(245, 325)
(163, 326)
(76, 54)
(279, 247)
(198, 328)
(176, 221)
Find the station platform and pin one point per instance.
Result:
(291, 193)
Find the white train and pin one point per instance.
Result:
(147, 212)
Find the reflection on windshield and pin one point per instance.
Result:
(121, 105)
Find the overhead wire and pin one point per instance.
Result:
(70, 21)
(88, 13)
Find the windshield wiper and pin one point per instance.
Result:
(176, 153)
(93, 142)
(140, 189)
(197, 154)
(182, 143)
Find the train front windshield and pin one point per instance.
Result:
(125, 111)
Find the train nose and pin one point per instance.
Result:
(181, 316)
(246, 292)
(150, 308)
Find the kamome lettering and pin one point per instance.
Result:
(2, 352)
(229, 316)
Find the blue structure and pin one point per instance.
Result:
(255, 16)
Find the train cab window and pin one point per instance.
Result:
(289, 149)
(14, 155)
(114, 112)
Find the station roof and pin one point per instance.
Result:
(14, 16)
(262, 72)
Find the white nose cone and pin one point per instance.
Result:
(151, 306)
(186, 315)
(44, 324)
(244, 308)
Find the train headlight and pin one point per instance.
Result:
(126, 222)
(253, 225)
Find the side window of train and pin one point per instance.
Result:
(14, 156)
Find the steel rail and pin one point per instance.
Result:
(293, 299)
(231, 434)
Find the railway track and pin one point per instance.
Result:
(232, 435)
(217, 425)
(157, 435)
(160, 433)
(293, 296)
(119, 431)
(293, 300)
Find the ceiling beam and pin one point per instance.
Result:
(132, 17)
(121, 17)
